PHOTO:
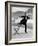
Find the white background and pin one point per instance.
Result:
(2, 23)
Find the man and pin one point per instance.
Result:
(24, 21)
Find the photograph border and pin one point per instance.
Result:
(6, 22)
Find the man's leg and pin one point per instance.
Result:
(25, 27)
